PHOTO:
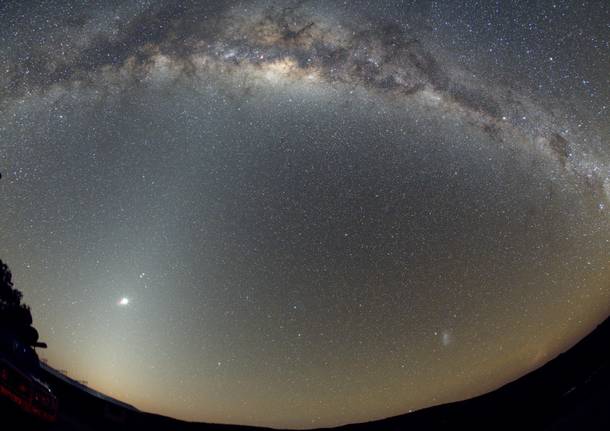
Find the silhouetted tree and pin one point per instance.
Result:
(14, 315)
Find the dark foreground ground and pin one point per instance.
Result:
(572, 392)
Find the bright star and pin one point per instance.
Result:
(124, 301)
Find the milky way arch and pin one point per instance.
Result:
(190, 40)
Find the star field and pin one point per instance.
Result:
(302, 214)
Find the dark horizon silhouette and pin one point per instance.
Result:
(570, 391)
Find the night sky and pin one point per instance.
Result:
(301, 214)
